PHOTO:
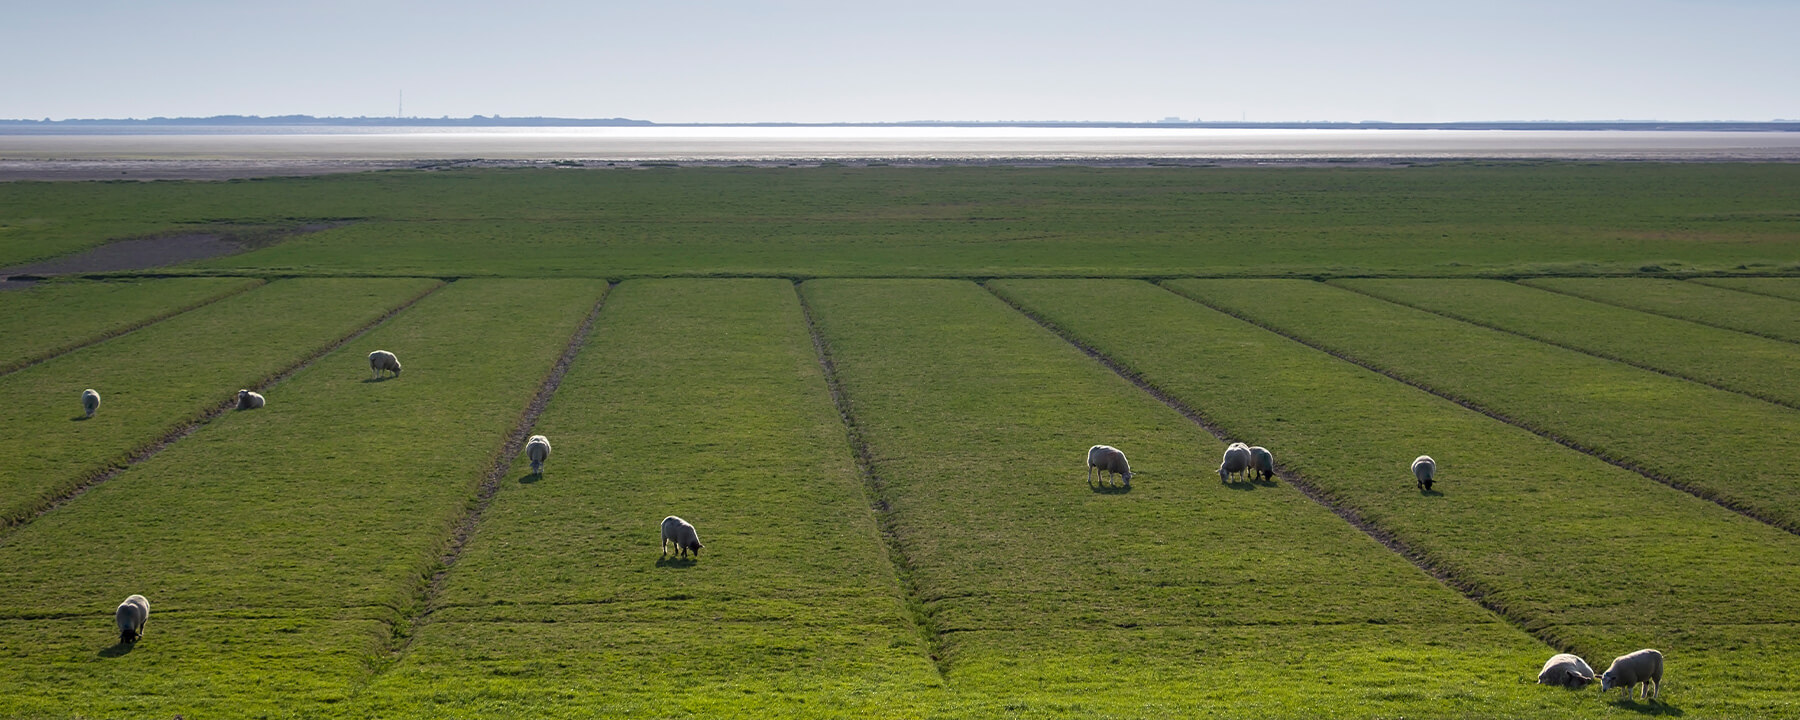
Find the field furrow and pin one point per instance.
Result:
(1719, 445)
(1177, 595)
(50, 319)
(1783, 287)
(1756, 366)
(697, 398)
(1770, 317)
(330, 505)
(1586, 554)
(158, 380)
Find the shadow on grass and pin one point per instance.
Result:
(1648, 707)
(378, 380)
(1432, 493)
(119, 650)
(1108, 488)
(676, 562)
(79, 418)
(532, 478)
(1242, 484)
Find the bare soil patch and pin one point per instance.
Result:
(159, 251)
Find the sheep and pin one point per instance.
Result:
(130, 618)
(537, 448)
(1108, 460)
(383, 360)
(249, 401)
(1237, 461)
(1424, 470)
(90, 401)
(1628, 671)
(1262, 461)
(1567, 670)
(678, 531)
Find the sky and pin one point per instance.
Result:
(849, 61)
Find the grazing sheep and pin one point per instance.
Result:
(130, 618)
(1567, 670)
(1262, 462)
(678, 531)
(383, 360)
(1237, 461)
(90, 401)
(1108, 460)
(1424, 470)
(249, 401)
(537, 448)
(1628, 671)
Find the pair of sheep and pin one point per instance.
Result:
(1644, 667)
(1247, 461)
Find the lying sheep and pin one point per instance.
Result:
(90, 401)
(249, 401)
(537, 448)
(1237, 461)
(130, 618)
(1262, 462)
(383, 360)
(1628, 671)
(1567, 670)
(678, 531)
(1424, 470)
(1108, 460)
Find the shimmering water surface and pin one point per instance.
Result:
(748, 144)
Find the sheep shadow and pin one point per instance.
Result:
(676, 562)
(1648, 707)
(1240, 485)
(80, 418)
(378, 380)
(119, 650)
(1431, 493)
(1108, 488)
(531, 478)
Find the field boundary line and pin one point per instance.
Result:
(1591, 353)
(876, 496)
(1701, 280)
(1715, 326)
(1648, 474)
(104, 336)
(1345, 511)
(463, 530)
(11, 524)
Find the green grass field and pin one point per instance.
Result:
(872, 390)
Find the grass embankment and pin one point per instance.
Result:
(1451, 220)
(1732, 360)
(697, 398)
(1579, 551)
(1788, 288)
(280, 547)
(156, 380)
(1723, 445)
(1770, 317)
(1180, 597)
(53, 318)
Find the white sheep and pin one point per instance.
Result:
(1643, 667)
(1424, 470)
(1108, 460)
(537, 448)
(1237, 461)
(90, 401)
(383, 360)
(678, 531)
(1567, 670)
(130, 618)
(1262, 461)
(249, 401)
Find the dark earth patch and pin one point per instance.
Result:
(160, 251)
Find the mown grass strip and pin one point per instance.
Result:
(1770, 317)
(159, 383)
(1173, 597)
(1723, 359)
(50, 319)
(1589, 555)
(698, 398)
(340, 498)
(1722, 446)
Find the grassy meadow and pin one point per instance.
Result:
(872, 389)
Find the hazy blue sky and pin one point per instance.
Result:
(839, 60)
